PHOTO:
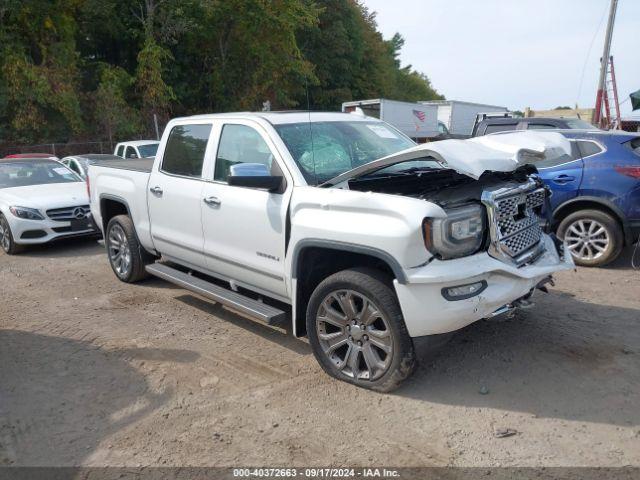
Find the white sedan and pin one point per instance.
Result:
(40, 201)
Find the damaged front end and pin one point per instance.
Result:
(487, 187)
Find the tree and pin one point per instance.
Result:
(352, 61)
(113, 111)
(156, 95)
(68, 67)
(39, 70)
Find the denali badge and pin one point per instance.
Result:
(266, 255)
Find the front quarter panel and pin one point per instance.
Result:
(387, 223)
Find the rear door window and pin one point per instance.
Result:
(500, 127)
(185, 150)
(560, 159)
(130, 153)
(588, 149)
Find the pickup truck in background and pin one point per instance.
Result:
(136, 149)
(338, 224)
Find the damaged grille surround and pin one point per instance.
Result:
(514, 225)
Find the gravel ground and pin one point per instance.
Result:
(96, 372)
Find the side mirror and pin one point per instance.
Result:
(132, 155)
(254, 175)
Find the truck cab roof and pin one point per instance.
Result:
(291, 116)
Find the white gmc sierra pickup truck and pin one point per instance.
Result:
(337, 223)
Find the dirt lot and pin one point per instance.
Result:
(96, 372)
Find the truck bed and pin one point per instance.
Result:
(137, 165)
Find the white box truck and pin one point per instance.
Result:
(459, 117)
(417, 121)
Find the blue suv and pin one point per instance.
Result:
(595, 203)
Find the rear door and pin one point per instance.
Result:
(245, 228)
(175, 193)
(563, 175)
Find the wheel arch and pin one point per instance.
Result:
(328, 258)
(596, 203)
(111, 206)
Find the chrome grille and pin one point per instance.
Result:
(67, 214)
(514, 223)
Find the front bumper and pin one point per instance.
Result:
(427, 312)
(32, 232)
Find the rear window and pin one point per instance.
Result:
(184, 152)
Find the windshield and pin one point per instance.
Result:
(323, 150)
(580, 124)
(148, 150)
(30, 172)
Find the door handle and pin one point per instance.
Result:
(562, 179)
(212, 201)
(156, 191)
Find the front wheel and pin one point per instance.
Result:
(593, 237)
(9, 246)
(357, 332)
(126, 256)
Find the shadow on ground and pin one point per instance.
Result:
(69, 247)
(281, 337)
(624, 261)
(59, 398)
(564, 359)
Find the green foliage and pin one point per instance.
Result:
(112, 110)
(74, 69)
(156, 95)
(39, 70)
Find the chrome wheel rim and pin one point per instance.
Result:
(354, 335)
(5, 240)
(119, 251)
(587, 239)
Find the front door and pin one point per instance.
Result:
(175, 194)
(245, 228)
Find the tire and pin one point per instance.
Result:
(127, 257)
(8, 245)
(594, 238)
(339, 342)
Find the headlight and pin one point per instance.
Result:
(26, 213)
(459, 234)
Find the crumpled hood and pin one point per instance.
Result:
(473, 157)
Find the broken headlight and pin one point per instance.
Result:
(459, 234)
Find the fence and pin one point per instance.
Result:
(59, 149)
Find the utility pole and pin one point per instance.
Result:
(604, 62)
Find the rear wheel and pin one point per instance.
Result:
(126, 256)
(357, 332)
(593, 237)
(9, 246)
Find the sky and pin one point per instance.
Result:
(516, 53)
